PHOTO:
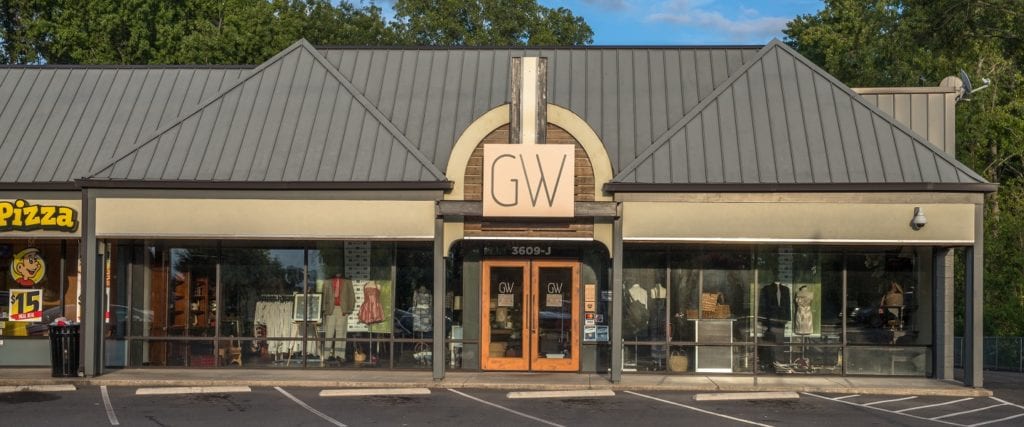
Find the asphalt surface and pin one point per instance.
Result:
(473, 407)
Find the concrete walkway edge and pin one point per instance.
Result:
(495, 381)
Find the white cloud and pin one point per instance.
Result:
(609, 4)
(698, 13)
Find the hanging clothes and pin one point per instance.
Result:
(422, 315)
(371, 311)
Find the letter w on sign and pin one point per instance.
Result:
(529, 180)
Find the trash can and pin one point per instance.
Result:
(64, 350)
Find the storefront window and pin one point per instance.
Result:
(38, 284)
(776, 309)
(332, 304)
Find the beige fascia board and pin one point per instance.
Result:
(195, 218)
(823, 197)
(826, 223)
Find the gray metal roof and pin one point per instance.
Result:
(59, 123)
(783, 120)
(294, 118)
(628, 95)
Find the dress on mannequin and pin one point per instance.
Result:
(422, 315)
(804, 323)
(371, 311)
(656, 307)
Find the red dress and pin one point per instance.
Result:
(371, 311)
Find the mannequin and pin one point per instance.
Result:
(774, 307)
(804, 323)
(639, 294)
(339, 301)
(422, 316)
(637, 317)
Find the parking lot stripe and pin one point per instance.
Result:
(967, 412)
(310, 408)
(890, 400)
(999, 420)
(1003, 401)
(698, 409)
(933, 405)
(110, 408)
(845, 397)
(562, 394)
(882, 409)
(506, 409)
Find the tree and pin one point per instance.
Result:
(489, 23)
(918, 42)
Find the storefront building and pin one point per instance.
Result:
(611, 210)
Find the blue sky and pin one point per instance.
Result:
(656, 22)
(675, 22)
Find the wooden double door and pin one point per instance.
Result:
(530, 315)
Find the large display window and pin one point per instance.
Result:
(776, 309)
(358, 304)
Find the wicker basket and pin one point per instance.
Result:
(497, 349)
(678, 362)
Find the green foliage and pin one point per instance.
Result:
(250, 31)
(489, 23)
(918, 42)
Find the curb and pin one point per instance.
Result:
(882, 391)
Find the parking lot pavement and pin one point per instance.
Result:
(296, 406)
(976, 411)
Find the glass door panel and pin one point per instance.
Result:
(505, 323)
(555, 326)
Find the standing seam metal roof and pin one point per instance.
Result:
(783, 120)
(293, 119)
(59, 123)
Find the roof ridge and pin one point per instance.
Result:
(663, 139)
(914, 136)
(383, 119)
(155, 136)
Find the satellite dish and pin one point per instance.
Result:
(966, 92)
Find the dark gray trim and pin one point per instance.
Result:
(39, 186)
(940, 318)
(287, 185)
(475, 208)
(974, 303)
(515, 111)
(438, 360)
(92, 292)
(616, 368)
(624, 187)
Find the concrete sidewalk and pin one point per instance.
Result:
(502, 381)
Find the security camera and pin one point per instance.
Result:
(919, 220)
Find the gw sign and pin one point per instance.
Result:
(534, 180)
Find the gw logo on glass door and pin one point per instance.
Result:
(529, 180)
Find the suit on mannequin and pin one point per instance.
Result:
(775, 307)
(339, 301)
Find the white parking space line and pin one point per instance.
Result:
(698, 409)
(999, 420)
(881, 409)
(562, 394)
(933, 405)
(757, 395)
(310, 408)
(37, 388)
(967, 412)
(890, 400)
(845, 397)
(1003, 401)
(110, 408)
(358, 392)
(506, 409)
(150, 391)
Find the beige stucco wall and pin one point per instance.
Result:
(839, 223)
(264, 218)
